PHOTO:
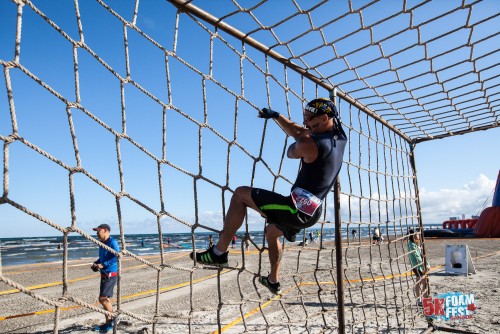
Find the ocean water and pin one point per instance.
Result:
(16, 251)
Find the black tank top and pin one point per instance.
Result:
(318, 176)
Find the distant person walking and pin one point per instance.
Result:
(210, 241)
(353, 234)
(107, 265)
(311, 238)
(376, 236)
(247, 245)
(233, 242)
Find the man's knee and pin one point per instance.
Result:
(273, 232)
(241, 193)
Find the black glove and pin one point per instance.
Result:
(94, 267)
(268, 113)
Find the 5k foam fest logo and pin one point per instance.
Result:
(450, 306)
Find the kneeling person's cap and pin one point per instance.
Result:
(322, 106)
(102, 227)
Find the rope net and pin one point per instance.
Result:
(150, 138)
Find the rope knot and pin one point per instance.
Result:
(74, 105)
(70, 229)
(20, 2)
(11, 138)
(77, 169)
(79, 44)
(63, 299)
(11, 64)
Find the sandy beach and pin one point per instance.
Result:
(379, 296)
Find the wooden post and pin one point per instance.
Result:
(340, 263)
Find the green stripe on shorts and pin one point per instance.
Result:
(278, 207)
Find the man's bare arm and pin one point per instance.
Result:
(305, 147)
(290, 128)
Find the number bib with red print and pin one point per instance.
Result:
(305, 202)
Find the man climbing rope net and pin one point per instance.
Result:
(319, 144)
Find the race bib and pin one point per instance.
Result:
(305, 202)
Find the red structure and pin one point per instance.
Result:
(488, 224)
(463, 223)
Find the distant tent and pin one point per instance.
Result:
(488, 224)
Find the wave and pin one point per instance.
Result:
(150, 253)
(10, 247)
(76, 248)
(42, 238)
(36, 244)
(14, 254)
(12, 243)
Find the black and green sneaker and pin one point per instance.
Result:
(209, 257)
(273, 287)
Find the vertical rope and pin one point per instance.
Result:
(339, 262)
(17, 52)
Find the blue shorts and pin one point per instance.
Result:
(281, 211)
(107, 286)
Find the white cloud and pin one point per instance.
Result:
(439, 206)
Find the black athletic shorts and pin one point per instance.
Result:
(281, 212)
(107, 286)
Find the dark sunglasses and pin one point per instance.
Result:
(308, 118)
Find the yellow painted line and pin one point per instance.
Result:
(39, 312)
(47, 285)
(239, 319)
(172, 287)
(177, 286)
(255, 310)
(378, 278)
(252, 312)
(51, 265)
(41, 286)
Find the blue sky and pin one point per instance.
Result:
(456, 174)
